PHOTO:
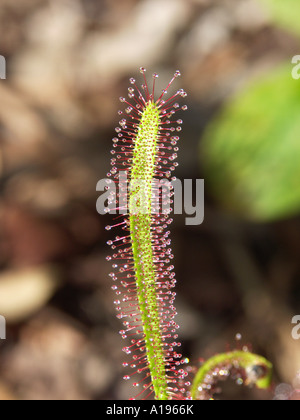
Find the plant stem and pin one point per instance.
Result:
(140, 205)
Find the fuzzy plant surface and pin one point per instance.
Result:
(145, 151)
(245, 367)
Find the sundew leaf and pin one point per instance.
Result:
(247, 368)
(251, 150)
(284, 13)
(144, 150)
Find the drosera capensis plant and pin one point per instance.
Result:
(145, 149)
(245, 367)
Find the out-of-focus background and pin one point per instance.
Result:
(68, 61)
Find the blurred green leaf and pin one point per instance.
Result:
(251, 151)
(285, 13)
